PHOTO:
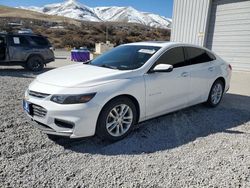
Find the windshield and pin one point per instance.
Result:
(128, 57)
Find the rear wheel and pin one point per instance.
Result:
(216, 94)
(35, 63)
(116, 119)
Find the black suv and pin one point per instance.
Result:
(29, 50)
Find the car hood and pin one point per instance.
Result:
(81, 75)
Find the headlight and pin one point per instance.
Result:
(72, 99)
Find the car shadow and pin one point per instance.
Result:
(172, 130)
(21, 72)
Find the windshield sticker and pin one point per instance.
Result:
(147, 51)
(16, 40)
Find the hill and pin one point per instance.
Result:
(64, 32)
(10, 12)
(79, 11)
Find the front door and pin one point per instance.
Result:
(3, 51)
(168, 91)
(19, 47)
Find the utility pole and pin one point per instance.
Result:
(107, 33)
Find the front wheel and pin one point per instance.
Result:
(216, 94)
(116, 119)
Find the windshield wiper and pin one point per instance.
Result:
(87, 62)
(108, 66)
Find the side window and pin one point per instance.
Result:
(197, 55)
(40, 41)
(2, 41)
(18, 41)
(211, 56)
(173, 57)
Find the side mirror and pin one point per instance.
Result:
(163, 68)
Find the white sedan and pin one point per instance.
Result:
(129, 84)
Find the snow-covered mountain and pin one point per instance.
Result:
(131, 15)
(70, 8)
(74, 9)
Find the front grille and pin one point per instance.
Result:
(38, 110)
(38, 94)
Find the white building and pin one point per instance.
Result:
(220, 25)
(100, 48)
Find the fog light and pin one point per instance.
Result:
(64, 124)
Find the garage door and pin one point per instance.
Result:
(229, 31)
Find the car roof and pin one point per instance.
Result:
(152, 43)
(20, 34)
(165, 44)
(25, 34)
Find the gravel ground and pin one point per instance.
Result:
(195, 147)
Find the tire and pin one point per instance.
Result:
(112, 124)
(216, 94)
(35, 64)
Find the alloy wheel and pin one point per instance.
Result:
(216, 93)
(119, 120)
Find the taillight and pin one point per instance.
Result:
(230, 67)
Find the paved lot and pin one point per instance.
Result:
(195, 147)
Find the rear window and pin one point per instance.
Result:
(40, 41)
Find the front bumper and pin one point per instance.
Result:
(78, 120)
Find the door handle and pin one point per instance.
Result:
(211, 69)
(184, 74)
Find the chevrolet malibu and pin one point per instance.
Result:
(131, 83)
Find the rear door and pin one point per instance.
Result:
(168, 91)
(201, 70)
(19, 48)
(42, 46)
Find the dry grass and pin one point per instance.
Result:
(21, 13)
(78, 33)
